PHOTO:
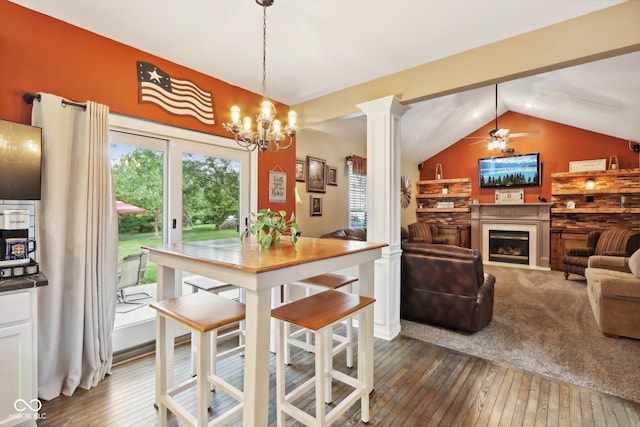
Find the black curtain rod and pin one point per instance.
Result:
(30, 97)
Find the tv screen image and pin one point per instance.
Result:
(20, 161)
(519, 170)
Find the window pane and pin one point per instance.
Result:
(357, 200)
(210, 197)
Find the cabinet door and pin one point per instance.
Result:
(465, 236)
(16, 363)
(450, 232)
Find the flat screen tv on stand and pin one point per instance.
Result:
(20, 161)
(513, 171)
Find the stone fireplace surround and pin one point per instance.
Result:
(533, 217)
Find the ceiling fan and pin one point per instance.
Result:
(499, 137)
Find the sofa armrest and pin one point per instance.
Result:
(620, 288)
(615, 253)
(609, 263)
(584, 252)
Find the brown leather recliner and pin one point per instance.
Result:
(445, 286)
(421, 232)
(613, 242)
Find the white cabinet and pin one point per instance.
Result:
(19, 402)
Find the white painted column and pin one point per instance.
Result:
(383, 196)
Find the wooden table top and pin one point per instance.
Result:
(248, 256)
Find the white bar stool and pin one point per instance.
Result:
(319, 313)
(203, 314)
(216, 287)
(321, 282)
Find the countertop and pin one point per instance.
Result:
(23, 282)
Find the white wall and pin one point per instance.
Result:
(335, 206)
(335, 202)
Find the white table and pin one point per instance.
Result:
(257, 271)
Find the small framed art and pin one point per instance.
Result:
(315, 204)
(316, 175)
(277, 187)
(332, 175)
(299, 170)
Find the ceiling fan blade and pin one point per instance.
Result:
(500, 133)
(484, 140)
(519, 134)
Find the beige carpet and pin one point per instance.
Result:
(544, 324)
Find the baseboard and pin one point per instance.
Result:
(143, 350)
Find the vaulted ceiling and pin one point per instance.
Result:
(315, 47)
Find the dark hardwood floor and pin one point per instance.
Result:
(416, 384)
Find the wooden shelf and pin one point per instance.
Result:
(595, 174)
(628, 190)
(604, 211)
(595, 210)
(442, 210)
(442, 196)
(443, 181)
(429, 195)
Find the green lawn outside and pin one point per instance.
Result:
(131, 243)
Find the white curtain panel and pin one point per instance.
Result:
(77, 235)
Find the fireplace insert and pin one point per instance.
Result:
(509, 246)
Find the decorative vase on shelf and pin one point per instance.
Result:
(268, 227)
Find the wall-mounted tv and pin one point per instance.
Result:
(20, 161)
(512, 171)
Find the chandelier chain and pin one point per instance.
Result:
(264, 51)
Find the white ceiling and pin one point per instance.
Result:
(316, 47)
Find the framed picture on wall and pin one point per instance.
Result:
(315, 205)
(277, 187)
(332, 175)
(316, 175)
(299, 170)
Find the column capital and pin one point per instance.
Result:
(388, 104)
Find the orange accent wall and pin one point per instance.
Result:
(42, 54)
(557, 144)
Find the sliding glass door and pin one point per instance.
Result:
(169, 189)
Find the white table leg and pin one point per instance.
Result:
(166, 290)
(256, 357)
(275, 302)
(365, 331)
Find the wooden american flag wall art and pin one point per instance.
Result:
(177, 96)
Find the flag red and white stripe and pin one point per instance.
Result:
(177, 96)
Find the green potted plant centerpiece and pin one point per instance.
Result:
(268, 226)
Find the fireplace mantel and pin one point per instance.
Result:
(537, 215)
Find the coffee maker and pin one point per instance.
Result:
(15, 224)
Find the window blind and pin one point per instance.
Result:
(357, 199)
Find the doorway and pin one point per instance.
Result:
(173, 189)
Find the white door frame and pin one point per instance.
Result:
(179, 141)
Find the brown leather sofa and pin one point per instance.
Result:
(446, 286)
(347, 234)
(612, 242)
(613, 286)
